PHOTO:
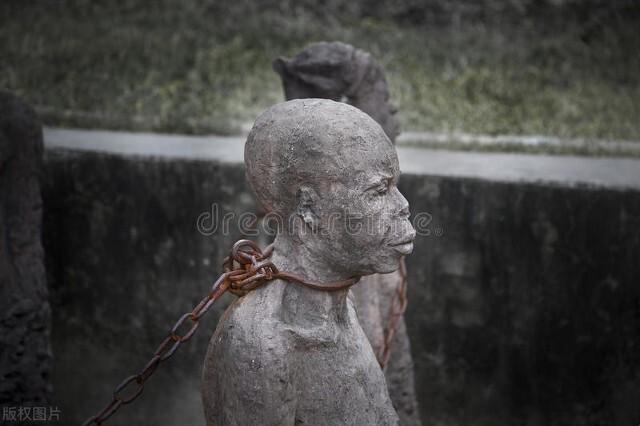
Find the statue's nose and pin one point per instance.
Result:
(404, 211)
(403, 205)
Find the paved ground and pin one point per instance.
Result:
(518, 143)
(565, 170)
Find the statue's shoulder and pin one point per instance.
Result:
(247, 365)
(250, 324)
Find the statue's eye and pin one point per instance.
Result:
(382, 189)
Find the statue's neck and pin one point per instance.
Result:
(304, 305)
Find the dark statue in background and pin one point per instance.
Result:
(339, 71)
(285, 354)
(25, 354)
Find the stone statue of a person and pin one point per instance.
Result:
(339, 71)
(285, 354)
(25, 351)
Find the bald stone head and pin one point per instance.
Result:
(330, 169)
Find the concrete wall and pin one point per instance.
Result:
(125, 260)
(524, 299)
(526, 311)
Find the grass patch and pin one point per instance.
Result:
(205, 67)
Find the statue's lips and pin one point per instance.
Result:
(403, 247)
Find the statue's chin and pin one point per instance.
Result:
(389, 270)
(384, 268)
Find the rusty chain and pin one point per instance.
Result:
(398, 306)
(245, 269)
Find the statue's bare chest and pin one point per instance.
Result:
(338, 380)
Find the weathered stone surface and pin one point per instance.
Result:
(530, 314)
(339, 71)
(287, 354)
(25, 355)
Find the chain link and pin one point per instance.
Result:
(398, 307)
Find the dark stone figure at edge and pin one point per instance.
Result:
(25, 352)
(284, 353)
(340, 72)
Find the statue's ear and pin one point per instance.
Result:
(307, 202)
(280, 65)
